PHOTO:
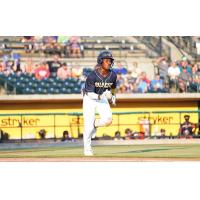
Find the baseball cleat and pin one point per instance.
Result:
(88, 153)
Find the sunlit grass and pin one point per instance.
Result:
(126, 151)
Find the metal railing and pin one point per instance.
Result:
(185, 43)
(155, 44)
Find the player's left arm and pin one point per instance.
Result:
(113, 91)
(113, 99)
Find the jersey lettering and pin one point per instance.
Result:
(98, 84)
(102, 84)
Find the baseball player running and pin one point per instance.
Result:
(99, 91)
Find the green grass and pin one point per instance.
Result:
(126, 151)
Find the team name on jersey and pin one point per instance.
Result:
(105, 85)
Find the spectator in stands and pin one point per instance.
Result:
(9, 67)
(195, 85)
(198, 69)
(127, 86)
(142, 86)
(129, 82)
(2, 67)
(142, 83)
(130, 77)
(28, 43)
(29, 66)
(75, 51)
(120, 69)
(17, 68)
(64, 72)
(120, 84)
(38, 44)
(156, 84)
(162, 65)
(54, 65)
(194, 70)
(184, 80)
(184, 64)
(173, 72)
(187, 128)
(42, 71)
(64, 43)
(77, 71)
(166, 88)
(51, 45)
(136, 71)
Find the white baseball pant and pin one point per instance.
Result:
(90, 106)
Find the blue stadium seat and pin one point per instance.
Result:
(68, 91)
(51, 90)
(39, 90)
(2, 79)
(66, 84)
(63, 90)
(42, 84)
(59, 85)
(27, 90)
(76, 90)
(12, 79)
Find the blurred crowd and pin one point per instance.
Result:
(181, 75)
(175, 76)
(64, 46)
(54, 67)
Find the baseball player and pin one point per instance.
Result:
(99, 91)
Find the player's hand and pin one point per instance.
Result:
(107, 94)
(113, 100)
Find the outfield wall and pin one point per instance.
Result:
(50, 112)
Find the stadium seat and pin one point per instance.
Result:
(27, 90)
(63, 90)
(71, 85)
(59, 85)
(54, 84)
(66, 83)
(44, 91)
(68, 91)
(42, 84)
(51, 90)
(39, 90)
(56, 91)
(20, 84)
(12, 79)
(76, 90)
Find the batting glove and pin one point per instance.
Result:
(108, 94)
(113, 100)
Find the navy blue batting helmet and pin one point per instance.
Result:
(105, 54)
